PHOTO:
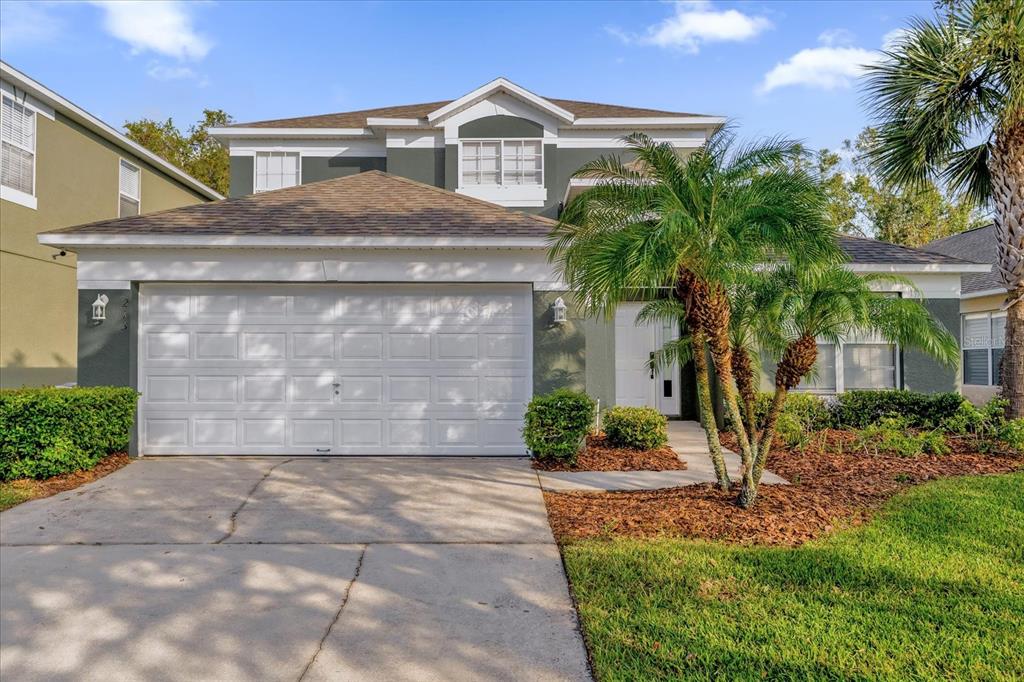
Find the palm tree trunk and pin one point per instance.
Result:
(716, 321)
(743, 371)
(1006, 167)
(707, 413)
(768, 434)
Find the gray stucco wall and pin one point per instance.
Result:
(577, 354)
(422, 165)
(108, 350)
(316, 168)
(501, 126)
(240, 175)
(922, 372)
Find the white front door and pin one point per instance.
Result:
(362, 369)
(635, 384)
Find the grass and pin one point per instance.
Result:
(15, 492)
(933, 588)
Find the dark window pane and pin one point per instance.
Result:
(976, 367)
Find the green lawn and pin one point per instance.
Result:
(933, 588)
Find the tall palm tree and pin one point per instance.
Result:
(949, 96)
(799, 307)
(686, 228)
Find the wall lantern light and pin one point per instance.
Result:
(99, 308)
(559, 308)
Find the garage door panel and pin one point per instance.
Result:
(336, 369)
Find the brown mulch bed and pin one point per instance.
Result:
(599, 455)
(833, 485)
(59, 484)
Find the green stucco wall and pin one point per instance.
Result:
(420, 164)
(577, 354)
(922, 372)
(76, 182)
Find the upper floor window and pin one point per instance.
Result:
(984, 335)
(275, 170)
(18, 142)
(129, 189)
(502, 162)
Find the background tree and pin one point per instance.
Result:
(195, 151)
(949, 98)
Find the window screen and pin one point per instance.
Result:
(275, 170)
(17, 146)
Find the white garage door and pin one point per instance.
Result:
(334, 369)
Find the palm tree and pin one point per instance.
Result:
(799, 307)
(949, 96)
(686, 228)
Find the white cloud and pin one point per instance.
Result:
(834, 65)
(695, 23)
(164, 27)
(26, 24)
(162, 72)
(836, 36)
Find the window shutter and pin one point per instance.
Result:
(129, 181)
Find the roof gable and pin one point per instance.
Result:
(501, 85)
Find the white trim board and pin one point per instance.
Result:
(75, 239)
(500, 85)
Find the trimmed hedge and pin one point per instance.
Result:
(49, 431)
(642, 428)
(557, 424)
(861, 409)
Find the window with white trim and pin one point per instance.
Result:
(18, 143)
(984, 335)
(129, 189)
(869, 365)
(275, 170)
(503, 162)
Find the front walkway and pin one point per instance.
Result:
(686, 438)
(293, 569)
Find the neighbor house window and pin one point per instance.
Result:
(869, 365)
(822, 378)
(275, 170)
(18, 142)
(503, 162)
(983, 337)
(129, 189)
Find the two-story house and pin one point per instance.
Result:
(61, 166)
(378, 283)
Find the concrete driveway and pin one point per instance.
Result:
(300, 569)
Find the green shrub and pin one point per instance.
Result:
(557, 424)
(802, 415)
(861, 409)
(50, 431)
(1012, 433)
(893, 436)
(642, 428)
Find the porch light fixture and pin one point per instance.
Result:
(559, 308)
(99, 308)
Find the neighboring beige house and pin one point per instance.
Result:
(62, 166)
(982, 319)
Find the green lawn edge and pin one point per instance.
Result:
(931, 588)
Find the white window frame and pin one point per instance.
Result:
(255, 164)
(26, 199)
(501, 142)
(120, 193)
(993, 379)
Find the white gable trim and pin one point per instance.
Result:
(496, 85)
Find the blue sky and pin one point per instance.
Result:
(775, 67)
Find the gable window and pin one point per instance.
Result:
(18, 142)
(503, 162)
(275, 170)
(984, 335)
(129, 189)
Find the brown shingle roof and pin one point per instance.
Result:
(370, 204)
(863, 250)
(357, 119)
